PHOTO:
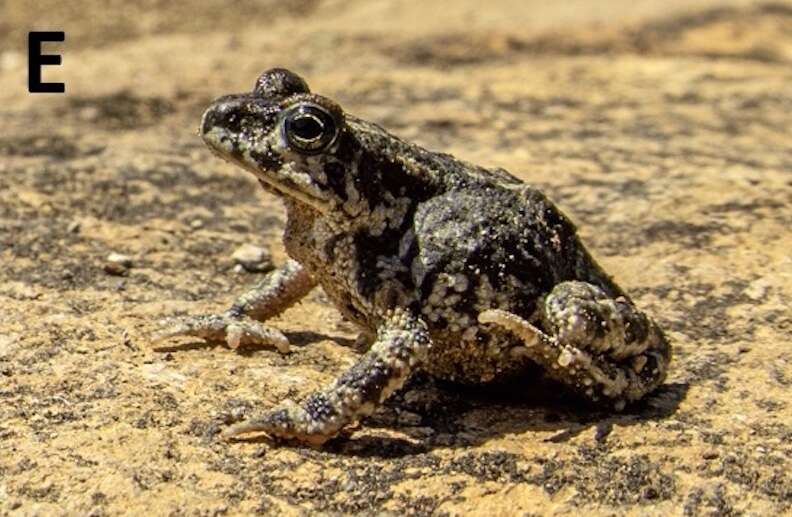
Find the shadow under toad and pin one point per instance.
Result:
(431, 414)
(446, 415)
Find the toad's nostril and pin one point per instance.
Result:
(226, 114)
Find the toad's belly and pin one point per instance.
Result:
(352, 307)
(469, 354)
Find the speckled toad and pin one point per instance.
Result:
(463, 272)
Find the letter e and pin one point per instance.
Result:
(36, 60)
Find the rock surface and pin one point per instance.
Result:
(662, 128)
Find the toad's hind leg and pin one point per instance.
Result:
(400, 346)
(602, 347)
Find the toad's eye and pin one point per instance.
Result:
(309, 128)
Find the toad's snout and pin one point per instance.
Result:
(224, 116)
(236, 124)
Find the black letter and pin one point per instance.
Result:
(36, 60)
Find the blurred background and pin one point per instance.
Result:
(661, 127)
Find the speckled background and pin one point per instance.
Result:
(661, 128)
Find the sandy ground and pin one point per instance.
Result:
(661, 128)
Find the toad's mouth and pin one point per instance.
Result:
(284, 180)
(282, 187)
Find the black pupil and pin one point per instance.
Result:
(307, 127)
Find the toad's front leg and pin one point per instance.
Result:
(400, 347)
(240, 325)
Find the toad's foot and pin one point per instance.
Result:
(599, 347)
(401, 345)
(236, 331)
(240, 326)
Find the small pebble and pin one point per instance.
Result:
(117, 264)
(112, 268)
(709, 455)
(253, 258)
(118, 258)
